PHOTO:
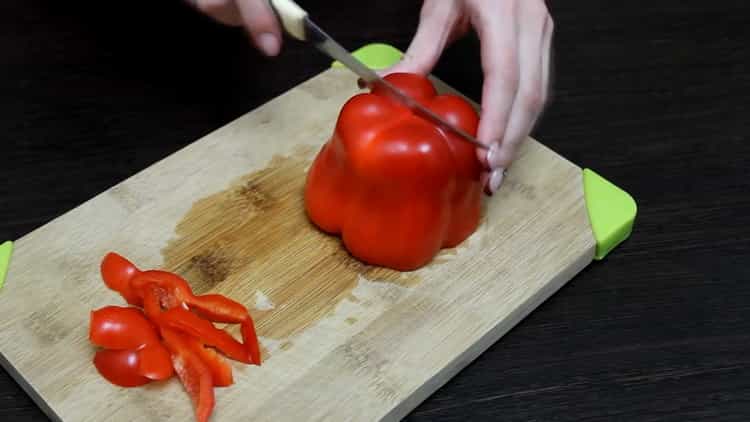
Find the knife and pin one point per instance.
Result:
(296, 23)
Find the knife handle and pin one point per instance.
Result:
(292, 17)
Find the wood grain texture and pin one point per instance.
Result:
(650, 94)
(226, 211)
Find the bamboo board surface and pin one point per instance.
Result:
(341, 340)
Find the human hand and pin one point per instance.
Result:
(255, 15)
(515, 38)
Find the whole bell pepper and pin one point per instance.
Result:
(394, 185)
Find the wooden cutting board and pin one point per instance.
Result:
(341, 340)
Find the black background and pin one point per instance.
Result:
(652, 95)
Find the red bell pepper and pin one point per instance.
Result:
(395, 186)
(117, 272)
(175, 290)
(155, 362)
(173, 334)
(194, 374)
(151, 296)
(218, 308)
(221, 371)
(160, 289)
(117, 327)
(191, 324)
(120, 367)
(251, 340)
(126, 330)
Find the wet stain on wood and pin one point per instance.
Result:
(46, 327)
(515, 186)
(255, 236)
(212, 268)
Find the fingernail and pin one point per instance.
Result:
(268, 43)
(496, 179)
(493, 155)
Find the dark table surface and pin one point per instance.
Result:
(653, 95)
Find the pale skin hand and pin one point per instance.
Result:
(515, 37)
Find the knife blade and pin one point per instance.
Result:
(297, 23)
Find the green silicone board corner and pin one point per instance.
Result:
(6, 249)
(376, 56)
(611, 212)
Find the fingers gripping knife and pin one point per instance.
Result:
(296, 23)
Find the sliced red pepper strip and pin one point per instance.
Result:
(151, 303)
(214, 307)
(136, 355)
(117, 272)
(120, 367)
(218, 308)
(221, 371)
(250, 339)
(190, 323)
(195, 375)
(155, 362)
(176, 289)
(118, 327)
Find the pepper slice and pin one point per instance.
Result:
(250, 338)
(155, 362)
(195, 376)
(151, 301)
(193, 325)
(117, 272)
(118, 327)
(158, 291)
(120, 367)
(175, 289)
(189, 344)
(218, 308)
(221, 371)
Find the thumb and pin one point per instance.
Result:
(262, 24)
(437, 21)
